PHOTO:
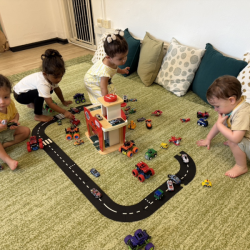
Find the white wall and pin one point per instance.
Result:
(29, 21)
(223, 23)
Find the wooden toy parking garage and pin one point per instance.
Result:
(108, 134)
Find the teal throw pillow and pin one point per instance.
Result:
(133, 53)
(214, 65)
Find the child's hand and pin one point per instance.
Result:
(13, 126)
(66, 103)
(204, 143)
(68, 115)
(221, 119)
(126, 70)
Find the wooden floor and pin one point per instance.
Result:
(17, 62)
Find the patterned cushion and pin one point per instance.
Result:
(244, 78)
(100, 53)
(178, 67)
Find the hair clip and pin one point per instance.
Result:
(111, 38)
(119, 32)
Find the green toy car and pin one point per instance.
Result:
(151, 153)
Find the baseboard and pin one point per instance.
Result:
(38, 44)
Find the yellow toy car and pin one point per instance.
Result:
(164, 145)
(132, 125)
(206, 183)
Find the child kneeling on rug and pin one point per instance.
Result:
(233, 121)
(99, 76)
(37, 87)
(8, 113)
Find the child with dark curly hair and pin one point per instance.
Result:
(8, 114)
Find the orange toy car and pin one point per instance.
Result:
(128, 148)
(132, 125)
(148, 123)
(72, 132)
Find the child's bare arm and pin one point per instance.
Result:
(53, 106)
(104, 85)
(59, 93)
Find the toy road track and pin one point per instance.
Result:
(105, 205)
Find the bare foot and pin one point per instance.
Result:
(226, 143)
(43, 118)
(12, 164)
(236, 171)
(31, 105)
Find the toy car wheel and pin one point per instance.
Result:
(198, 123)
(135, 172)
(120, 149)
(127, 238)
(77, 101)
(83, 100)
(152, 171)
(76, 136)
(69, 137)
(40, 145)
(135, 150)
(28, 147)
(129, 154)
(202, 125)
(155, 155)
(141, 178)
(149, 246)
(50, 110)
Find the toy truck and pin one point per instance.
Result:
(33, 144)
(139, 240)
(47, 108)
(143, 171)
(150, 154)
(158, 194)
(128, 148)
(72, 132)
(79, 98)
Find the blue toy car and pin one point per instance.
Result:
(174, 178)
(202, 122)
(94, 172)
(139, 240)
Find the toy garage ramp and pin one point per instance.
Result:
(105, 205)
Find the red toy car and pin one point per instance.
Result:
(75, 122)
(143, 170)
(185, 120)
(157, 112)
(202, 115)
(74, 111)
(33, 144)
(175, 140)
(128, 148)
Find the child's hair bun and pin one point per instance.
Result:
(50, 53)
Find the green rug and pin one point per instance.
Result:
(42, 209)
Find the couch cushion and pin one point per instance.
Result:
(214, 65)
(178, 67)
(150, 60)
(244, 78)
(133, 52)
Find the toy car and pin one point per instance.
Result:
(202, 115)
(132, 111)
(98, 117)
(139, 240)
(170, 185)
(74, 111)
(128, 148)
(175, 140)
(158, 194)
(206, 183)
(75, 122)
(164, 145)
(185, 120)
(78, 142)
(33, 144)
(94, 172)
(185, 158)
(202, 122)
(59, 122)
(79, 98)
(47, 108)
(157, 112)
(125, 98)
(96, 193)
(174, 178)
(148, 123)
(143, 171)
(72, 132)
(133, 100)
(132, 125)
(9, 124)
(150, 154)
(127, 108)
(116, 121)
(141, 119)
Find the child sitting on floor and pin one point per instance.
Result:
(100, 74)
(233, 121)
(37, 87)
(8, 113)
